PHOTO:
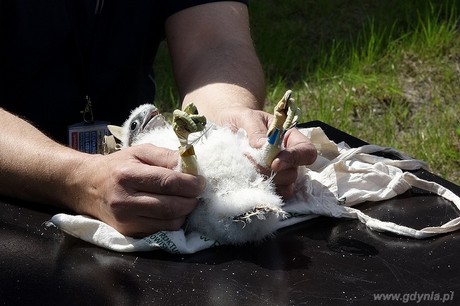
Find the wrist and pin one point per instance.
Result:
(216, 100)
(79, 172)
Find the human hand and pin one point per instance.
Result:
(135, 190)
(298, 150)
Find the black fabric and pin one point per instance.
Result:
(323, 261)
(54, 53)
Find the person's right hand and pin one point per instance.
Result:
(135, 190)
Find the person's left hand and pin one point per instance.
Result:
(298, 150)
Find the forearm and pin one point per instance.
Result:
(134, 190)
(235, 84)
(215, 64)
(229, 73)
(32, 166)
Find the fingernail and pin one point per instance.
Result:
(278, 164)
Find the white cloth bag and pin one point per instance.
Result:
(340, 178)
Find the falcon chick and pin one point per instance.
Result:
(239, 204)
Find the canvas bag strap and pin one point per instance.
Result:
(414, 181)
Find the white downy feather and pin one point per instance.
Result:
(239, 204)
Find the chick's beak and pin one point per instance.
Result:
(153, 120)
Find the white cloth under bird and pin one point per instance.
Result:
(340, 178)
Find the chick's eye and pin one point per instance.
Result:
(133, 125)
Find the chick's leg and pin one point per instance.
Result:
(184, 123)
(286, 114)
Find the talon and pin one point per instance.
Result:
(187, 122)
(293, 113)
(191, 109)
(183, 125)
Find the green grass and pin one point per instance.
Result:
(387, 71)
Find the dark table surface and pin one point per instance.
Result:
(323, 261)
